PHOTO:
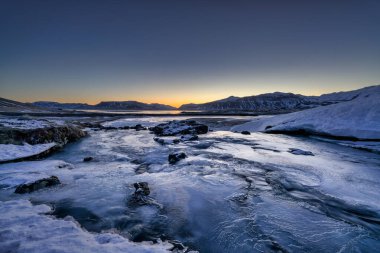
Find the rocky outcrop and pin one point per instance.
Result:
(182, 127)
(174, 158)
(58, 134)
(37, 185)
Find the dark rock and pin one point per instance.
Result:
(174, 158)
(88, 158)
(182, 127)
(58, 134)
(138, 127)
(142, 168)
(296, 151)
(177, 246)
(245, 133)
(141, 187)
(189, 137)
(176, 141)
(109, 128)
(37, 185)
(159, 140)
(141, 196)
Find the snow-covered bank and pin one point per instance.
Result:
(358, 118)
(25, 228)
(10, 152)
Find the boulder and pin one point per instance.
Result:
(174, 158)
(182, 127)
(37, 185)
(88, 159)
(245, 133)
(296, 151)
(141, 196)
(141, 187)
(138, 127)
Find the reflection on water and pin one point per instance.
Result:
(139, 111)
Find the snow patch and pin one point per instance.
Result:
(25, 228)
(9, 152)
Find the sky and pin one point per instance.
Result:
(181, 51)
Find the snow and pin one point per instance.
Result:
(24, 123)
(25, 228)
(234, 193)
(10, 152)
(358, 118)
(14, 174)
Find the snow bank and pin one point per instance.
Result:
(24, 228)
(9, 152)
(358, 118)
(24, 123)
(14, 174)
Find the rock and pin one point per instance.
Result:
(142, 168)
(37, 185)
(141, 196)
(189, 137)
(176, 141)
(296, 151)
(245, 133)
(141, 187)
(159, 140)
(182, 127)
(177, 246)
(174, 158)
(138, 127)
(58, 134)
(88, 158)
(109, 128)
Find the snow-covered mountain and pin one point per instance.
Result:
(56, 105)
(132, 105)
(358, 116)
(108, 105)
(274, 102)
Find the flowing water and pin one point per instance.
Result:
(233, 192)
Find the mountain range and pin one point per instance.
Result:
(105, 105)
(277, 102)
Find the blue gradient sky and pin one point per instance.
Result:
(177, 51)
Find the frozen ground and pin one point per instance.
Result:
(28, 123)
(9, 152)
(233, 193)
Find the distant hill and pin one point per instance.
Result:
(108, 105)
(7, 105)
(132, 105)
(56, 105)
(275, 102)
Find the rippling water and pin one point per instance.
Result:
(234, 193)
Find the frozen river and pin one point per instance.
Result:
(233, 192)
